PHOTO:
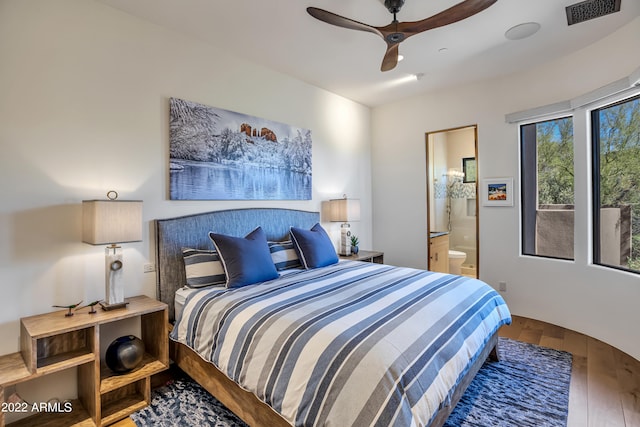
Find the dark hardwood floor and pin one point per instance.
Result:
(605, 382)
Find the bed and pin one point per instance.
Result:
(350, 343)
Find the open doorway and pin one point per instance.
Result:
(452, 201)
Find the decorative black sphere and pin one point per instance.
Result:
(124, 354)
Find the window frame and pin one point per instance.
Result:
(594, 133)
(529, 185)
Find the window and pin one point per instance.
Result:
(616, 184)
(547, 188)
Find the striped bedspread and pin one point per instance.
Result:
(352, 344)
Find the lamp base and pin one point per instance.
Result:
(108, 307)
(345, 240)
(114, 285)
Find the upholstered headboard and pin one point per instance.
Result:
(192, 231)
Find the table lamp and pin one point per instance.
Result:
(108, 222)
(345, 210)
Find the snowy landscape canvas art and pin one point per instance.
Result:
(217, 154)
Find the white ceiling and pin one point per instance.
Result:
(279, 34)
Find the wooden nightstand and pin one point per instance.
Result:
(366, 256)
(52, 342)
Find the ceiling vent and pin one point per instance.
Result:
(591, 9)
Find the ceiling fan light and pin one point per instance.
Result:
(522, 31)
(400, 57)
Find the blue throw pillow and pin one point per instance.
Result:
(246, 260)
(314, 246)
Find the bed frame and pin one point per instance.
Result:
(173, 234)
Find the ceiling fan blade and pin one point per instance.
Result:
(396, 32)
(341, 21)
(390, 59)
(455, 13)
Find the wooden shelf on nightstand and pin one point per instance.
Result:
(52, 342)
(366, 256)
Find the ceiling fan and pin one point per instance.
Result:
(397, 32)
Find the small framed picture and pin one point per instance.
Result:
(497, 192)
(469, 169)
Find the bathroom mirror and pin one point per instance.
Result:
(452, 203)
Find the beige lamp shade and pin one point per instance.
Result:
(111, 221)
(345, 210)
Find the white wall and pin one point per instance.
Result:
(84, 92)
(599, 302)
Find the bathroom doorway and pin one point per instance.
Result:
(452, 201)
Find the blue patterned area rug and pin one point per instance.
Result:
(529, 387)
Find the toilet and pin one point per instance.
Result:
(456, 258)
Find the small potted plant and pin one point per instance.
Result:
(354, 244)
